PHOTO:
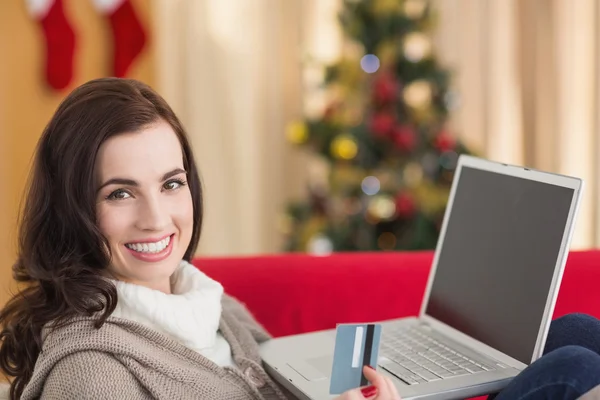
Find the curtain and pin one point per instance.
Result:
(526, 74)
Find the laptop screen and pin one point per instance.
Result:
(498, 257)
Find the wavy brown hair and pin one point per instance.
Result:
(62, 255)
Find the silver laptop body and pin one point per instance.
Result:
(489, 299)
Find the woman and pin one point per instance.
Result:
(113, 309)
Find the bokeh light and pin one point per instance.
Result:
(418, 94)
(320, 245)
(382, 207)
(370, 185)
(369, 63)
(417, 46)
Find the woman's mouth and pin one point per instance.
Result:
(151, 251)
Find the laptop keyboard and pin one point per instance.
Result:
(414, 357)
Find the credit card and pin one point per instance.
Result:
(356, 345)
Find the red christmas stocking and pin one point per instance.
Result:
(129, 36)
(60, 40)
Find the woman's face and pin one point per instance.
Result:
(144, 205)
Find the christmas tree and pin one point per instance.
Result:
(384, 134)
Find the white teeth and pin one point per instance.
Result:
(150, 247)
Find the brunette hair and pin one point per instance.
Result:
(62, 256)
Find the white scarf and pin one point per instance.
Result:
(190, 315)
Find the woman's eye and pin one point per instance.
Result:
(173, 184)
(118, 195)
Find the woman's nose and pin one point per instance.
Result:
(153, 216)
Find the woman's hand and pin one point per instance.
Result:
(382, 388)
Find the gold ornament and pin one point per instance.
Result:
(386, 241)
(416, 46)
(413, 174)
(344, 147)
(297, 132)
(414, 9)
(418, 94)
(382, 207)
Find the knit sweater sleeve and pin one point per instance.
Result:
(91, 375)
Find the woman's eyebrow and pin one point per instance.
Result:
(174, 172)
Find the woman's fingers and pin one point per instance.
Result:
(385, 387)
(381, 388)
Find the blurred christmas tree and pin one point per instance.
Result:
(384, 135)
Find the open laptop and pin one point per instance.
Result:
(489, 300)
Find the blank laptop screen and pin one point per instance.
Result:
(498, 257)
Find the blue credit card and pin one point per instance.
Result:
(356, 345)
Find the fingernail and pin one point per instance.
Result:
(369, 391)
(370, 367)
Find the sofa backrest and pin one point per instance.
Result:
(295, 293)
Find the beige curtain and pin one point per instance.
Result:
(231, 70)
(526, 72)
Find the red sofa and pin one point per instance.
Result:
(295, 293)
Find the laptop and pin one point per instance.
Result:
(489, 300)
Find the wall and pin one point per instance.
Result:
(26, 104)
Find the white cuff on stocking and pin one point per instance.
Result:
(38, 9)
(107, 6)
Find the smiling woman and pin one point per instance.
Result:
(111, 220)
